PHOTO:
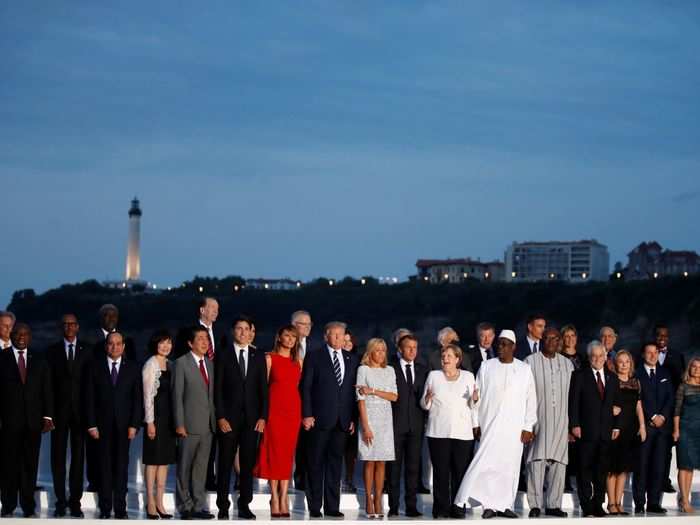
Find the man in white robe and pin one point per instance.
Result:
(507, 413)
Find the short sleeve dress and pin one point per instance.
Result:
(378, 414)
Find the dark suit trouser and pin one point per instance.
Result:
(407, 448)
(325, 457)
(92, 462)
(301, 459)
(592, 474)
(649, 477)
(246, 441)
(20, 460)
(451, 458)
(59, 445)
(211, 470)
(113, 450)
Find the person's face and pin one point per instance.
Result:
(449, 361)
(251, 336)
(694, 370)
(552, 340)
(486, 338)
(399, 335)
(536, 328)
(241, 333)
(5, 328)
(409, 350)
(70, 327)
(662, 337)
(506, 347)
(651, 355)
(165, 347)
(109, 320)
(200, 345)
(598, 356)
(303, 325)
(210, 311)
(335, 336)
(570, 339)
(623, 364)
(608, 338)
(378, 356)
(21, 338)
(347, 343)
(115, 346)
(288, 340)
(449, 338)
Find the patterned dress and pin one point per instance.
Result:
(379, 414)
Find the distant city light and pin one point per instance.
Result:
(551, 276)
(123, 285)
(446, 276)
(235, 287)
(487, 275)
(155, 286)
(396, 280)
(331, 282)
(426, 278)
(298, 284)
(363, 281)
(685, 274)
(618, 275)
(513, 274)
(584, 275)
(656, 274)
(169, 288)
(266, 285)
(201, 289)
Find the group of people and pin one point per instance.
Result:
(482, 422)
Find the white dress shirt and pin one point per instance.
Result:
(662, 356)
(302, 347)
(532, 342)
(196, 362)
(117, 361)
(403, 368)
(210, 330)
(66, 343)
(602, 375)
(237, 349)
(340, 360)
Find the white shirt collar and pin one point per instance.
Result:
(239, 347)
(649, 368)
(602, 374)
(110, 361)
(5, 344)
(531, 342)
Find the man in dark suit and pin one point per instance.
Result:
(409, 422)
(483, 350)
(68, 359)
(674, 362)
(113, 413)
(591, 396)
(7, 323)
(532, 342)
(657, 404)
(446, 336)
(26, 410)
(328, 403)
(240, 398)
(301, 319)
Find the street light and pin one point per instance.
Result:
(363, 282)
(201, 289)
(487, 275)
(656, 274)
(618, 275)
(331, 282)
(513, 274)
(584, 275)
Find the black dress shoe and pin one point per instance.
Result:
(598, 512)
(488, 514)
(656, 509)
(222, 515)
(152, 516)
(202, 515)
(60, 511)
(413, 513)
(534, 513)
(507, 514)
(30, 514)
(422, 489)
(555, 512)
(7, 513)
(105, 515)
(668, 487)
(76, 512)
(186, 515)
(638, 509)
(315, 514)
(245, 514)
(334, 514)
(457, 512)
(393, 512)
(121, 516)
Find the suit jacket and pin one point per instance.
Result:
(180, 346)
(68, 381)
(435, 360)
(407, 413)
(110, 407)
(587, 410)
(658, 396)
(475, 357)
(321, 397)
(193, 399)
(98, 349)
(675, 364)
(522, 348)
(24, 406)
(241, 401)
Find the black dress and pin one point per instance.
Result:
(161, 450)
(624, 451)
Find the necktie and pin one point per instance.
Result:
(409, 376)
(203, 371)
(70, 353)
(336, 368)
(534, 347)
(115, 373)
(210, 351)
(241, 362)
(22, 365)
(652, 375)
(599, 381)
(489, 353)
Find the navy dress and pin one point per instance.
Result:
(688, 408)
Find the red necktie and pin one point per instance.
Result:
(210, 351)
(22, 365)
(601, 388)
(203, 371)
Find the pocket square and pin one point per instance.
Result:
(663, 380)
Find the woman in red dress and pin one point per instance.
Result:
(279, 441)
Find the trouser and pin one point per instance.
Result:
(20, 460)
(649, 476)
(247, 440)
(60, 435)
(451, 458)
(301, 459)
(211, 466)
(192, 459)
(92, 462)
(325, 461)
(407, 450)
(591, 478)
(545, 472)
(426, 464)
(113, 453)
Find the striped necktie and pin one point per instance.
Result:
(336, 368)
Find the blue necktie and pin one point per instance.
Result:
(115, 374)
(336, 368)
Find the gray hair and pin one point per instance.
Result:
(107, 307)
(7, 313)
(296, 315)
(594, 344)
(606, 327)
(398, 334)
(334, 324)
(443, 333)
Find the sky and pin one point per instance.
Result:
(316, 138)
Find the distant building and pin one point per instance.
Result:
(133, 249)
(575, 261)
(273, 284)
(649, 260)
(458, 270)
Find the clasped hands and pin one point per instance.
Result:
(225, 426)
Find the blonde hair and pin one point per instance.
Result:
(686, 375)
(629, 356)
(457, 351)
(372, 345)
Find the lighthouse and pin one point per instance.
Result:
(133, 253)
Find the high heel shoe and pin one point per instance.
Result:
(612, 509)
(274, 514)
(163, 515)
(152, 516)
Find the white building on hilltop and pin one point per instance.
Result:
(573, 261)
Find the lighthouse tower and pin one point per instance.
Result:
(133, 254)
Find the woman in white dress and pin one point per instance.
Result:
(376, 389)
(449, 397)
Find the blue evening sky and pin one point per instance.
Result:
(335, 138)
